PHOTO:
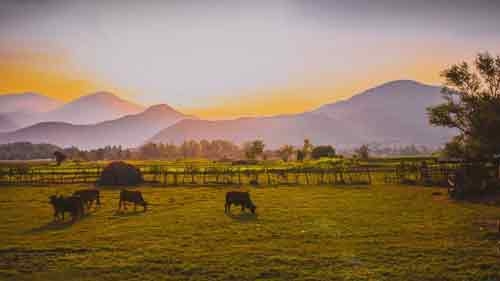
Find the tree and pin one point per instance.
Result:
(322, 151)
(253, 149)
(300, 155)
(307, 148)
(363, 152)
(472, 106)
(60, 157)
(285, 152)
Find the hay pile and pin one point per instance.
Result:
(120, 173)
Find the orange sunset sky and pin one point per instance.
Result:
(230, 60)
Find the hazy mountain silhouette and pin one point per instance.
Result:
(128, 131)
(6, 124)
(27, 103)
(93, 108)
(393, 113)
(275, 131)
(90, 109)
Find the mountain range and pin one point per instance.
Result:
(391, 114)
(128, 131)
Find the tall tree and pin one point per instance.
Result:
(253, 149)
(307, 148)
(472, 106)
(285, 152)
(60, 157)
(363, 152)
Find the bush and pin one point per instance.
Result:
(121, 174)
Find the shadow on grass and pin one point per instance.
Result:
(55, 225)
(242, 216)
(132, 213)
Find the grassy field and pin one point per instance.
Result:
(299, 233)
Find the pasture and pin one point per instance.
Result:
(378, 232)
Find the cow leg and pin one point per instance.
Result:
(120, 205)
(135, 207)
(242, 208)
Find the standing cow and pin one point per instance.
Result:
(71, 204)
(131, 196)
(239, 198)
(88, 197)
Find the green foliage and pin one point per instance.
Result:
(27, 151)
(307, 148)
(472, 106)
(253, 149)
(285, 152)
(60, 157)
(363, 152)
(322, 151)
(300, 155)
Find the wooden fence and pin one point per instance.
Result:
(177, 175)
(190, 175)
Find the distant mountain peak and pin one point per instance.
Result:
(159, 108)
(27, 102)
(101, 95)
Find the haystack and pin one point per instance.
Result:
(120, 173)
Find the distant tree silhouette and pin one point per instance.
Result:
(472, 106)
(60, 157)
(363, 152)
(253, 149)
(300, 155)
(26, 151)
(307, 148)
(285, 152)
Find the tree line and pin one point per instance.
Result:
(191, 149)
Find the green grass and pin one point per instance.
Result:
(300, 233)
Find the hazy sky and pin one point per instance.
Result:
(232, 58)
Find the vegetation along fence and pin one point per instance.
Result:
(218, 174)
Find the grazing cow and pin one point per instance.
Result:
(88, 197)
(239, 198)
(71, 204)
(131, 196)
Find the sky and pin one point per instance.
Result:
(224, 59)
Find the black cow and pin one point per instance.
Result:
(131, 196)
(88, 197)
(239, 198)
(71, 204)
